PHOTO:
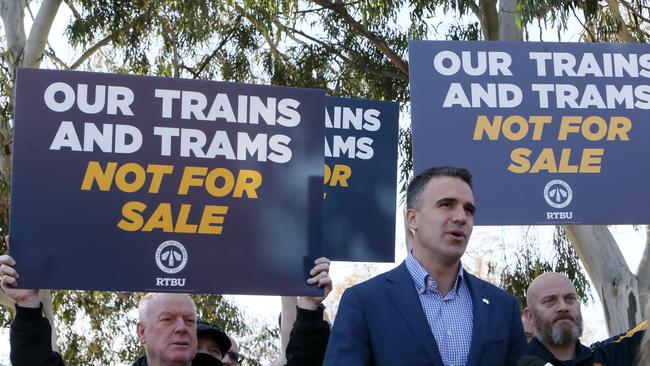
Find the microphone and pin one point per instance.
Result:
(529, 360)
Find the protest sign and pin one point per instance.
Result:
(360, 179)
(554, 133)
(154, 184)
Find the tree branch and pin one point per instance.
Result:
(340, 9)
(13, 15)
(74, 11)
(274, 50)
(89, 52)
(489, 20)
(50, 53)
(631, 9)
(35, 44)
(104, 41)
(623, 33)
(474, 8)
(337, 52)
(585, 28)
(223, 42)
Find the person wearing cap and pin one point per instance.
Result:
(212, 340)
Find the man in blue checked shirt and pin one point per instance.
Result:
(429, 310)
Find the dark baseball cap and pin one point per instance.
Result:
(205, 329)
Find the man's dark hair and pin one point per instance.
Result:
(415, 188)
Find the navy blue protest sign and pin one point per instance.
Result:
(360, 179)
(554, 133)
(154, 184)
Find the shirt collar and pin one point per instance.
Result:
(420, 275)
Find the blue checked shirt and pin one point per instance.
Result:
(450, 317)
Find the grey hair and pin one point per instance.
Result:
(145, 304)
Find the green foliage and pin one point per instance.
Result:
(464, 32)
(90, 322)
(597, 19)
(529, 263)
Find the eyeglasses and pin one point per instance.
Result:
(237, 357)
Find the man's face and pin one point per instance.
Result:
(230, 358)
(556, 312)
(168, 331)
(210, 346)
(443, 220)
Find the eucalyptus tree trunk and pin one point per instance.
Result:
(616, 285)
(23, 51)
(509, 30)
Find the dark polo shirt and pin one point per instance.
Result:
(584, 356)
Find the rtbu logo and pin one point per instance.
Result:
(558, 193)
(171, 256)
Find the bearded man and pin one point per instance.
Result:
(553, 307)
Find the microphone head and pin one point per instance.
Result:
(529, 360)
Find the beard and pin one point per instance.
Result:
(559, 334)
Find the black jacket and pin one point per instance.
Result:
(622, 349)
(201, 359)
(308, 339)
(31, 339)
(584, 356)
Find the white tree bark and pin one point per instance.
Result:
(35, 45)
(643, 272)
(616, 285)
(508, 28)
(13, 17)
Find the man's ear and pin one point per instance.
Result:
(140, 331)
(411, 219)
(529, 316)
